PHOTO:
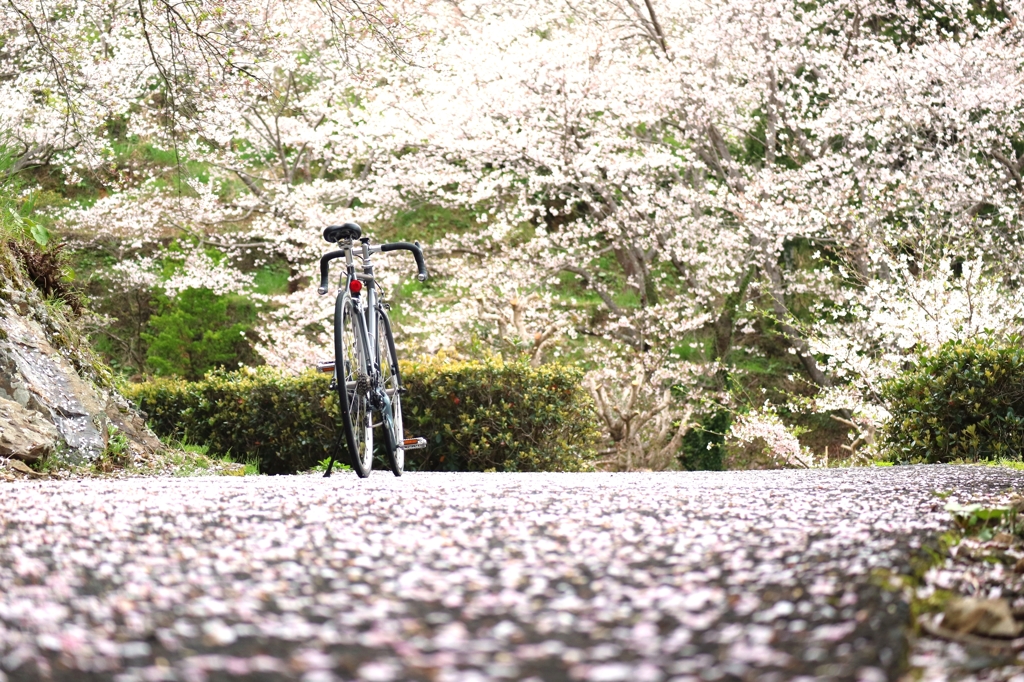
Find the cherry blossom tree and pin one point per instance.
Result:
(653, 183)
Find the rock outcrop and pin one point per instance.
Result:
(24, 433)
(52, 397)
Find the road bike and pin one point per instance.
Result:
(365, 366)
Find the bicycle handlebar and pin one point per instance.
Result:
(324, 268)
(417, 253)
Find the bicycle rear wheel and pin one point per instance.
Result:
(394, 433)
(351, 378)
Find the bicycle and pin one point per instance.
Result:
(365, 366)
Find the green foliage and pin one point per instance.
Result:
(117, 444)
(251, 467)
(488, 414)
(198, 331)
(704, 445)
(952, 20)
(20, 220)
(283, 422)
(271, 280)
(321, 466)
(965, 401)
(984, 522)
(25, 239)
(427, 222)
(475, 416)
(116, 455)
(147, 332)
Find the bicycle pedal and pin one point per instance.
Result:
(325, 366)
(414, 443)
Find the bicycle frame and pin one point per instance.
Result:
(365, 309)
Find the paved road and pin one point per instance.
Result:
(604, 577)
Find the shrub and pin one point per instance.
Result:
(482, 415)
(703, 447)
(965, 401)
(284, 422)
(198, 331)
(26, 241)
(474, 415)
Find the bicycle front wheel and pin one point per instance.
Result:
(350, 364)
(394, 433)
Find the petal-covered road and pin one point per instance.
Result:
(603, 577)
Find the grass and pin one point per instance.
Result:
(322, 466)
(187, 462)
(196, 461)
(985, 521)
(54, 461)
(1003, 462)
(1015, 464)
(180, 459)
(251, 467)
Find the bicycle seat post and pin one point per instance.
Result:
(347, 245)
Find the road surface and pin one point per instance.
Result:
(467, 577)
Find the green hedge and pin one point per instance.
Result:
(503, 416)
(965, 401)
(284, 422)
(475, 416)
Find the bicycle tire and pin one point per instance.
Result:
(349, 363)
(391, 380)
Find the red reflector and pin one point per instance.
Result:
(355, 286)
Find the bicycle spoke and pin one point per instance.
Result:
(354, 408)
(387, 362)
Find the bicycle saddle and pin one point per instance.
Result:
(336, 233)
